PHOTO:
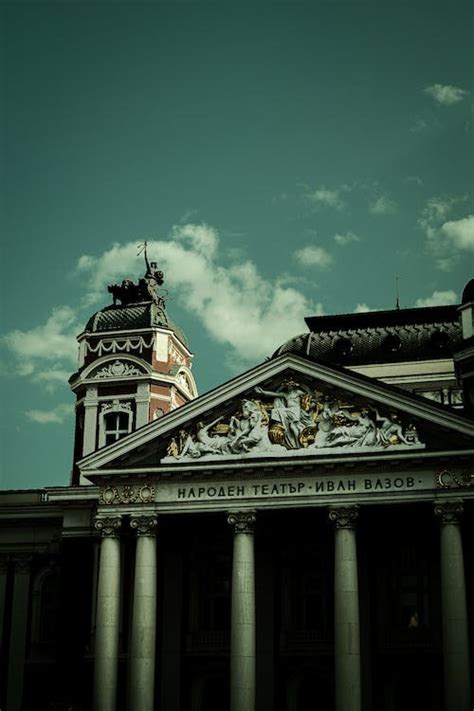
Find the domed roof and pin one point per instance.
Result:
(132, 316)
(379, 336)
(468, 292)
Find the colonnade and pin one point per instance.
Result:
(243, 680)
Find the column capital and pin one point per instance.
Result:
(108, 526)
(145, 524)
(344, 516)
(450, 512)
(242, 521)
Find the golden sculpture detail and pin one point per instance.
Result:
(292, 417)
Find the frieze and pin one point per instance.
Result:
(126, 494)
(293, 420)
(117, 369)
(454, 480)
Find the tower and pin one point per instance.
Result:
(134, 365)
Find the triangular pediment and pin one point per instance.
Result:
(288, 408)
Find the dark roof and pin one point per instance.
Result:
(380, 336)
(131, 317)
(468, 293)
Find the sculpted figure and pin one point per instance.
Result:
(288, 412)
(389, 430)
(325, 423)
(362, 434)
(248, 432)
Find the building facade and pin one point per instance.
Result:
(300, 537)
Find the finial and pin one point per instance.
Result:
(397, 305)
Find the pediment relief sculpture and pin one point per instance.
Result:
(289, 420)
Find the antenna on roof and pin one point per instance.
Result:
(397, 306)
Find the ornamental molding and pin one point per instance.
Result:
(116, 406)
(450, 512)
(117, 369)
(242, 521)
(294, 418)
(127, 494)
(120, 345)
(344, 516)
(108, 526)
(144, 525)
(447, 479)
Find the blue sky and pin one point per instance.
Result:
(283, 159)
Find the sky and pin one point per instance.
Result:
(283, 159)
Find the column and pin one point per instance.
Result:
(17, 649)
(346, 609)
(107, 615)
(454, 613)
(141, 685)
(242, 638)
(3, 587)
(142, 402)
(171, 652)
(91, 404)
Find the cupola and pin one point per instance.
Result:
(134, 365)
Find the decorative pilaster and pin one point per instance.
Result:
(242, 645)
(17, 647)
(141, 688)
(107, 616)
(346, 609)
(454, 611)
(91, 404)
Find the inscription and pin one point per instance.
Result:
(298, 488)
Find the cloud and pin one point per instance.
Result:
(419, 125)
(323, 197)
(362, 309)
(49, 343)
(313, 256)
(346, 238)
(460, 232)
(445, 94)
(235, 304)
(382, 205)
(57, 415)
(445, 237)
(438, 298)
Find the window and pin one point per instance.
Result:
(116, 426)
(115, 421)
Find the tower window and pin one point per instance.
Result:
(115, 421)
(116, 426)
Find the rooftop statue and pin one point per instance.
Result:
(147, 289)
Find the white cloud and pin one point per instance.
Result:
(313, 256)
(438, 298)
(235, 304)
(446, 238)
(49, 343)
(460, 232)
(57, 415)
(346, 238)
(362, 309)
(323, 197)
(382, 205)
(445, 94)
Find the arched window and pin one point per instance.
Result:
(115, 422)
